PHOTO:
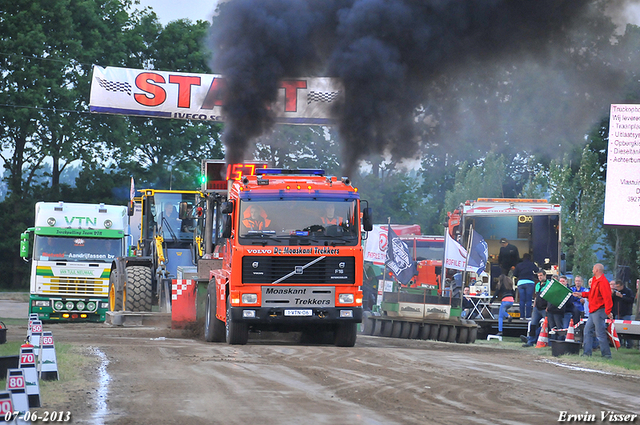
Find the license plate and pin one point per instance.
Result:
(298, 312)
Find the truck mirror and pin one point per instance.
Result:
(226, 226)
(183, 211)
(131, 209)
(367, 219)
(24, 245)
(227, 208)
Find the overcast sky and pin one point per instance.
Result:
(171, 10)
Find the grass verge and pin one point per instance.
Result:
(72, 361)
(623, 360)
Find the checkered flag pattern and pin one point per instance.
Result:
(114, 86)
(319, 96)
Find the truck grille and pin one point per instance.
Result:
(76, 287)
(266, 270)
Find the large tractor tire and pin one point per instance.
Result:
(237, 332)
(214, 330)
(138, 289)
(115, 297)
(345, 335)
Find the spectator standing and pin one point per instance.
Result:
(539, 311)
(600, 306)
(578, 303)
(525, 271)
(622, 305)
(508, 257)
(504, 291)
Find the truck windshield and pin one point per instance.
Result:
(293, 222)
(165, 214)
(57, 248)
(426, 249)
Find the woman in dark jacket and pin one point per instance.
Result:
(526, 271)
(504, 292)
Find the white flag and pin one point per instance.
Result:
(132, 191)
(455, 255)
(375, 250)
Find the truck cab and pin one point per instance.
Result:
(290, 245)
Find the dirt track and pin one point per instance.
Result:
(162, 377)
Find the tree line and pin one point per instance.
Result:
(47, 50)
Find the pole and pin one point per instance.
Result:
(384, 274)
(443, 271)
(466, 260)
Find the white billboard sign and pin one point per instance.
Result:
(181, 95)
(622, 197)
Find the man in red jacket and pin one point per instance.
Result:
(600, 305)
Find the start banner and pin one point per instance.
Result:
(159, 94)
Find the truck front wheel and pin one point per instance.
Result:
(214, 330)
(137, 290)
(237, 332)
(345, 335)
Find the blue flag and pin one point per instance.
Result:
(399, 259)
(478, 253)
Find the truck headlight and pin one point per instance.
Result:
(249, 298)
(41, 303)
(91, 306)
(80, 305)
(69, 305)
(58, 305)
(345, 298)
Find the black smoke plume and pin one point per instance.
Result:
(404, 63)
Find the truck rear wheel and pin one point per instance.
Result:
(345, 335)
(214, 330)
(137, 290)
(237, 332)
(115, 297)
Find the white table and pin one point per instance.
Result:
(481, 307)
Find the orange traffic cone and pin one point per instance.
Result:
(571, 333)
(543, 339)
